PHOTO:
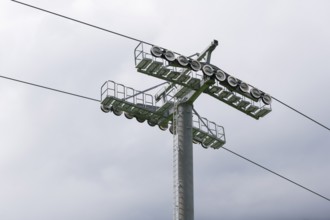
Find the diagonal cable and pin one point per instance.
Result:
(265, 168)
(92, 99)
(295, 110)
(135, 39)
(49, 88)
(82, 22)
(277, 174)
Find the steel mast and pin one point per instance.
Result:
(172, 107)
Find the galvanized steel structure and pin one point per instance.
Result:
(172, 107)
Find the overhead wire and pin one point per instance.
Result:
(277, 174)
(135, 39)
(82, 22)
(73, 94)
(257, 164)
(93, 99)
(49, 88)
(299, 112)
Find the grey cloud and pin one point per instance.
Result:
(62, 158)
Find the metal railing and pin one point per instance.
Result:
(187, 79)
(122, 97)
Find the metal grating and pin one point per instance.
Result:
(143, 107)
(160, 68)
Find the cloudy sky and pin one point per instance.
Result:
(62, 158)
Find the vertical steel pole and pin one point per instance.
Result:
(183, 163)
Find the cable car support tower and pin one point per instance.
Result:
(172, 107)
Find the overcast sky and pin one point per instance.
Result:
(62, 158)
